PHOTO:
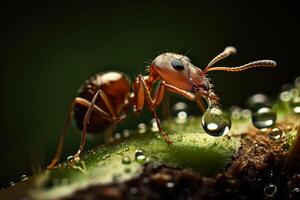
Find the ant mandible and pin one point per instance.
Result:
(105, 98)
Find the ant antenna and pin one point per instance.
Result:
(258, 63)
(227, 52)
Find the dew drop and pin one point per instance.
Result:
(286, 146)
(246, 113)
(126, 160)
(142, 128)
(235, 112)
(126, 148)
(275, 133)
(12, 184)
(140, 156)
(270, 190)
(181, 117)
(170, 184)
(179, 106)
(285, 96)
(24, 177)
(295, 105)
(154, 127)
(105, 156)
(126, 133)
(264, 118)
(295, 192)
(70, 159)
(216, 122)
(257, 101)
(117, 136)
(127, 170)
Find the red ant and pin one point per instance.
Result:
(108, 96)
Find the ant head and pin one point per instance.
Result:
(174, 69)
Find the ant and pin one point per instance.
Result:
(105, 98)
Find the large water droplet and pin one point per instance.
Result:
(295, 105)
(257, 101)
(264, 118)
(126, 160)
(270, 190)
(140, 156)
(216, 122)
(24, 177)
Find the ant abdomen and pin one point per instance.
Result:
(116, 87)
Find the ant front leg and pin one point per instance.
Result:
(142, 92)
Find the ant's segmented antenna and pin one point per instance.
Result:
(258, 63)
(227, 52)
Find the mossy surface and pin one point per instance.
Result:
(192, 148)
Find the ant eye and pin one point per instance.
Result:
(177, 64)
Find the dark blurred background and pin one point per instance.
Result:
(49, 49)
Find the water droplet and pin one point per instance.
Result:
(285, 96)
(126, 160)
(140, 156)
(286, 146)
(105, 156)
(127, 170)
(126, 148)
(12, 184)
(117, 136)
(257, 101)
(295, 105)
(295, 92)
(170, 184)
(216, 122)
(275, 133)
(270, 190)
(181, 117)
(246, 113)
(264, 118)
(295, 192)
(154, 127)
(179, 138)
(142, 128)
(126, 133)
(179, 106)
(235, 112)
(70, 159)
(24, 177)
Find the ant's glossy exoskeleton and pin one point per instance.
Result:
(105, 98)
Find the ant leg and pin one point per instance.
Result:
(112, 117)
(63, 134)
(62, 138)
(144, 91)
(179, 91)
